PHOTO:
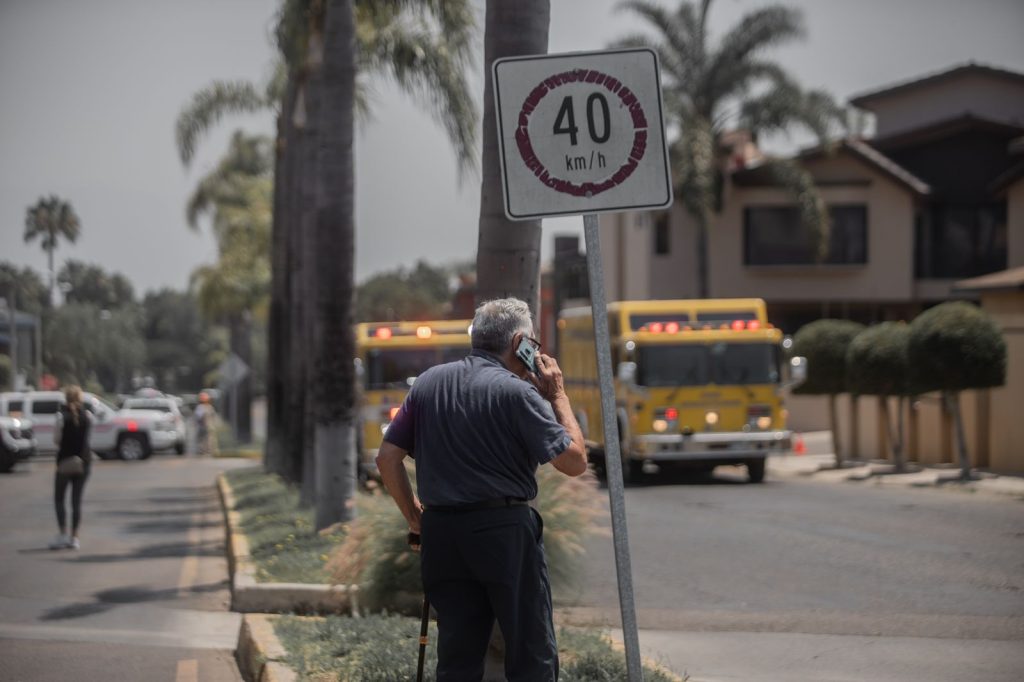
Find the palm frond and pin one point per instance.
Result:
(813, 211)
(454, 19)
(786, 105)
(677, 34)
(209, 105)
(422, 65)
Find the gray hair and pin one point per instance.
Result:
(497, 322)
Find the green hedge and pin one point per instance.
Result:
(956, 346)
(877, 361)
(824, 343)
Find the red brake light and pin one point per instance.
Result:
(753, 325)
(383, 333)
(672, 327)
(657, 327)
(132, 425)
(737, 325)
(671, 413)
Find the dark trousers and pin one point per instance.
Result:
(60, 488)
(487, 564)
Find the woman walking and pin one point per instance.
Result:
(74, 460)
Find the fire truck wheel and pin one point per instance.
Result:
(755, 470)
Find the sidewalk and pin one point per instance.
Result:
(819, 465)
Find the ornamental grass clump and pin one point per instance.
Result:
(375, 554)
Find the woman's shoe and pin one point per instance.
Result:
(60, 542)
(74, 544)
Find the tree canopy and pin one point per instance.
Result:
(422, 293)
(877, 362)
(30, 293)
(90, 283)
(956, 346)
(824, 343)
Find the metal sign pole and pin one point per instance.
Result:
(612, 456)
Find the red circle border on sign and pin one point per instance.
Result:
(613, 85)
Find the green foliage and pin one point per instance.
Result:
(51, 220)
(383, 648)
(877, 362)
(282, 540)
(181, 345)
(5, 373)
(824, 343)
(375, 554)
(30, 293)
(423, 293)
(89, 283)
(86, 344)
(956, 346)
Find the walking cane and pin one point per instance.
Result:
(414, 543)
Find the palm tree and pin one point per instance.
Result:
(51, 220)
(508, 254)
(424, 45)
(334, 341)
(237, 194)
(708, 89)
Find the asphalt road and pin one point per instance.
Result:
(796, 580)
(146, 597)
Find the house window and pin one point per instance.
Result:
(775, 235)
(960, 240)
(662, 247)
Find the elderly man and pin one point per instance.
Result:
(478, 429)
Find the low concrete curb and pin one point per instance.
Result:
(260, 653)
(821, 468)
(250, 596)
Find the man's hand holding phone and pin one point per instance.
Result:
(548, 377)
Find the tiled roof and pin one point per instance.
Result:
(864, 101)
(1005, 280)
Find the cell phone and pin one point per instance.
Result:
(527, 354)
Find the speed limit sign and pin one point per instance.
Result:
(581, 133)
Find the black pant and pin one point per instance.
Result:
(60, 488)
(482, 565)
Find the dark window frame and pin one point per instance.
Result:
(662, 234)
(846, 247)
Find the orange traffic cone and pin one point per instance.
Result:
(798, 445)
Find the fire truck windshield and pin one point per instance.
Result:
(724, 364)
(399, 367)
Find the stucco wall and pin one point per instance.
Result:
(888, 274)
(983, 95)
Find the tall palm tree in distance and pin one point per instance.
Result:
(711, 88)
(51, 220)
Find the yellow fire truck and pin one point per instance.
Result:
(698, 382)
(390, 355)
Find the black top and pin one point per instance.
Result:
(477, 432)
(74, 439)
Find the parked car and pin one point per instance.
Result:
(167, 405)
(17, 442)
(129, 434)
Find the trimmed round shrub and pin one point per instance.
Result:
(824, 344)
(956, 346)
(877, 361)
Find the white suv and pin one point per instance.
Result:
(165, 405)
(128, 434)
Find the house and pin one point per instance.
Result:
(937, 195)
(934, 198)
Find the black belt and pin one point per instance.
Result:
(475, 506)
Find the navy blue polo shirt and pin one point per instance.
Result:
(477, 432)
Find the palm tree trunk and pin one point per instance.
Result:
(833, 418)
(953, 400)
(274, 454)
(334, 382)
(297, 299)
(49, 257)
(895, 432)
(240, 342)
(508, 253)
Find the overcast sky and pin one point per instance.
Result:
(90, 89)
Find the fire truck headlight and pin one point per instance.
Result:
(711, 418)
(660, 425)
(764, 423)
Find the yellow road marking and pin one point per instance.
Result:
(188, 671)
(190, 564)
